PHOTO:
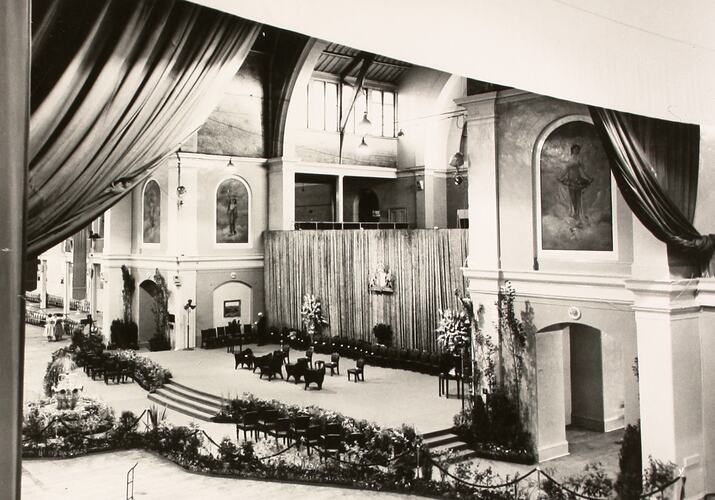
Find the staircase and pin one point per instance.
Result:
(444, 441)
(183, 399)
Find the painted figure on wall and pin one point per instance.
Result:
(576, 181)
(232, 212)
(152, 213)
(576, 207)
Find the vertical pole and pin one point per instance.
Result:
(14, 126)
(67, 298)
(43, 284)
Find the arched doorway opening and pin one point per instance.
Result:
(579, 385)
(368, 206)
(148, 290)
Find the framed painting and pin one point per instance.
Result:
(232, 212)
(575, 191)
(231, 308)
(151, 217)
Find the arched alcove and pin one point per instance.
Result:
(232, 300)
(148, 290)
(151, 213)
(579, 384)
(233, 211)
(368, 206)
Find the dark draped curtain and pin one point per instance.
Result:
(655, 164)
(117, 86)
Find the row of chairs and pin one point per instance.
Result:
(329, 439)
(226, 336)
(107, 367)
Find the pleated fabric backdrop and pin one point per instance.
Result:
(336, 266)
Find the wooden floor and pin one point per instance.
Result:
(388, 397)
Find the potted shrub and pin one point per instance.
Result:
(383, 334)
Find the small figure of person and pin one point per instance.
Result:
(576, 180)
(232, 215)
(50, 327)
(59, 329)
(261, 329)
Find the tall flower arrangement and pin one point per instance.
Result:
(312, 314)
(453, 330)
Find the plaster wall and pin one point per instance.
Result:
(235, 127)
(324, 147)
(520, 120)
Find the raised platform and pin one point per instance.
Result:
(388, 397)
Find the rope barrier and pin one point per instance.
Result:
(362, 464)
(483, 486)
(437, 465)
(569, 490)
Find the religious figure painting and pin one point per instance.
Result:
(575, 180)
(232, 212)
(152, 213)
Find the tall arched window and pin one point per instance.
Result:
(151, 213)
(233, 201)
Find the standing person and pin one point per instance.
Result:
(50, 327)
(59, 327)
(261, 328)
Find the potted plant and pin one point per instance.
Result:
(383, 334)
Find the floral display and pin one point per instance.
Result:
(454, 330)
(312, 314)
(149, 374)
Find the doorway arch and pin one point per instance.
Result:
(148, 290)
(571, 386)
(368, 206)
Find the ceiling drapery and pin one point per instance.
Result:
(116, 86)
(655, 164)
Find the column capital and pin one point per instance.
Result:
(664, 296)
(479, 107)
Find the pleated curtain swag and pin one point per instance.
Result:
(655, 164)
(116, 87)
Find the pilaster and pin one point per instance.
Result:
(281, 194)
(670, 375)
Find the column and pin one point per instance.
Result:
(339, 215)
(43, 284)
(281, 194)
(483, 263)
(14, 119)
(117, 247)
(67, 291)
(670, 375)
(435, 199)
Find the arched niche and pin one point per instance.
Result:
(148, 290)
(574, 192)
(232, 213)
(232, 300)
(151, 213)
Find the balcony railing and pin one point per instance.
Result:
(309, 225)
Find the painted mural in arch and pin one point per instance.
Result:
(575, 182)
(152, 213)
(232, 216)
